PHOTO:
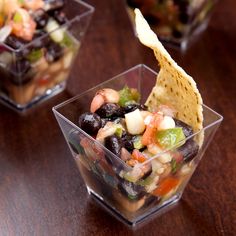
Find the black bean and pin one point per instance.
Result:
(187, 129)
(114, 144)
(40, 40)
(127, 141)
(131, 190)
(134, 106)
(110, 110)
(20, 67)
(19, 71)
(189, 150)
(41, 18)
(54, 52)
(90, 123)
(151, 200)
(117, 120)
(74, 142)
(15, 42)
(146, 170)
(104, 121)
(60, 17)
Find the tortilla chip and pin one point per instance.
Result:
(174, 87)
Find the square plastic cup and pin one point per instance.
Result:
(114, 184)
(39, 69)
(174, 21)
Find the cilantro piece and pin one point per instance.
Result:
(175, 166)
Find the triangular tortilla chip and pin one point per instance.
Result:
(174, 87)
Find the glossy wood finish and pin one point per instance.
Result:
(41, 191)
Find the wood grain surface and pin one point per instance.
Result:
(41, 191)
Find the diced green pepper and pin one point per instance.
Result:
(119, 131)
(137, 142)
(67, 41)
(170, 137)
(35, 55)
(21, 2)
(135, 94)
(17, 18)
(128, 96)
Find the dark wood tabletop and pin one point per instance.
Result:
(41, 190)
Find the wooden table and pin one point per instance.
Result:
(41, 191)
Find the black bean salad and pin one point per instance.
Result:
(135, 135)
(173, 18)
(35, 50)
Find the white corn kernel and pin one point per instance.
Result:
(167, 123)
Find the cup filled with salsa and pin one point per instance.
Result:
(39, 41)
(138, 137)
(174, 21)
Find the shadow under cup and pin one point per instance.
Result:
(110, 179)
(39, 69)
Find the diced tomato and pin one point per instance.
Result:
(166, 186)
(150, 132)
(23, 26)
(132, 162)
(177, 156)
(22, 32)
(84, 143)
(17, 28)
(148, 135)
(44, 81)
(137, 155)
(97, 150)
(106, 168)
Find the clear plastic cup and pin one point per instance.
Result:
(39, 69)
(174, 21)
(114, 184)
